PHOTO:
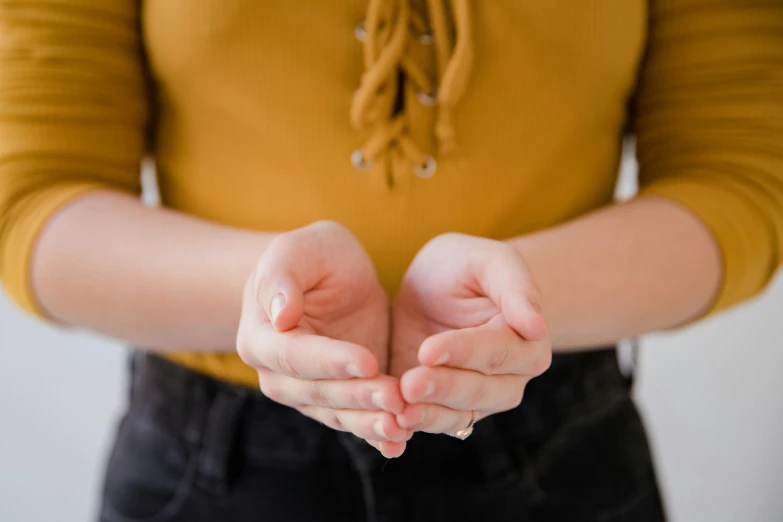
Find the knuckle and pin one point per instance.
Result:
(450, 236)
(286, 366)
(534, 293)
(294, 244)
(498, 361)
(262, 284)
(324, 230)
(542, 362)
(280, 241)
(434, 344)
(427, 419)
(329, 368)
(271, 391)
(267, 285)
(506, 250)
(477, 397)
(245, 350)
(502, 253)
(364, 400)
(272, 265)
(515, 400)
(460, 420)
(328, 225)
(444, 240)
(338, 423)
(318, 397)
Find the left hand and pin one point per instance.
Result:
(315, 327)
(468, 333)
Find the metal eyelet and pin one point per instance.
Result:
(359, 161)
(425, 38)
(427, 169)
(427, 99)
(360, 32)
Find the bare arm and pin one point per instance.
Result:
(157, 278)
(707, 231)
(622, 271)
(163, 280)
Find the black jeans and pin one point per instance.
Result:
(191, 448)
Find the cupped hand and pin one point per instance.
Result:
(315, 325)
(468, 333)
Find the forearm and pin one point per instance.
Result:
(156, 278)
(622, 271)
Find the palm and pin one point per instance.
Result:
(350, 305)
(341, 298)
(439, 293)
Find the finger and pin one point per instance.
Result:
(375, 425)
(462, 389)
(390, 450)
(292, 264)
(432, 418)
(379, 393)
(507, 281)
(492, 349)
(278, 289)
(303, 355)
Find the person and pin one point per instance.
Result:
(379, 221)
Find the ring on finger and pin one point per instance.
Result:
(465, 433)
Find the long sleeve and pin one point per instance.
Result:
(73, 116)
(709, 125)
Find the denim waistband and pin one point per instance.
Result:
(227, 421)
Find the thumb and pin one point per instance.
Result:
(525, 316)
(282, 278)
(285, 308)
(506, 280)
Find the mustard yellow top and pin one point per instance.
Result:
(401, 119)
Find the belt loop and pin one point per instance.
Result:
(219, 439)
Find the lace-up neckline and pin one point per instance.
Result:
(385, 33)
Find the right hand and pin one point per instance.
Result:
(315, 325)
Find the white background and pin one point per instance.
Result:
(712, 397)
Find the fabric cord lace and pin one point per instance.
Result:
(385, 34)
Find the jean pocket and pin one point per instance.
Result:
(150, 474)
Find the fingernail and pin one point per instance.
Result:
(276, 306)
(354, 371)
(429, 390)
(378, 429)
(376, 398)
(442, 359)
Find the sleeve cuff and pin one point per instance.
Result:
(18, 242)
(737, 225)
